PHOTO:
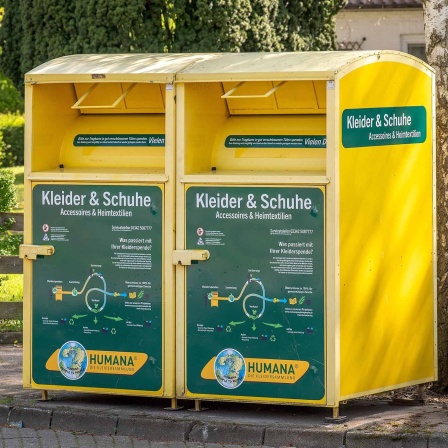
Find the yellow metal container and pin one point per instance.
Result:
(263, 222)
(99, 223)
(309, 179)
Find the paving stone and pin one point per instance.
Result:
(30, 438)
(122, 442)
(85, 440)
(366, 439)
(438, 440)
(11, 438)
(227, 433)
(66, 439)
(305, 438)
(169, 445)
(4, 414)
(140, 443)
(97, 424)
(47, 438)
(154, 430)
(31, 417)
(103, 441)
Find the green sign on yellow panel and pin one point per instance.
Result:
(255, 308)
(97, 302)
(383, 126)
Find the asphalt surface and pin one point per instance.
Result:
(74, 419)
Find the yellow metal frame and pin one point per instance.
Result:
(110, 175)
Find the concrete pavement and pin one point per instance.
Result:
(135, 421)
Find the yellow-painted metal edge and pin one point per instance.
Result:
(267, 400)
(386, 56)
(88, 78)
(434, 202)
(180, 242)
(27, 239)
(111, 176)
(332, 248)
(169, 241)
(387, 389)
(269, 76)
(95, 390)
(262, 179)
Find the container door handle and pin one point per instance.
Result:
(31, 251)
(186, 257)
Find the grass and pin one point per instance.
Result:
(11, 285)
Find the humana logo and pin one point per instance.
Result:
(111, 360)
(274, 368)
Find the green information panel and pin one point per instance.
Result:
(97, 302)
(382, 126)
(255, 309)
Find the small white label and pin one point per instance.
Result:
(169, 87)
(330, 85)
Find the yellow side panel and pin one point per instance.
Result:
(386, 241)
(51, 116)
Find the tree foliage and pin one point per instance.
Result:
(34, 31)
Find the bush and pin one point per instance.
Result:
(12, 127)
(10, 99)
(9, 242)
(7, 190)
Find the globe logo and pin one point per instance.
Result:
(230, 368)
(72, 360)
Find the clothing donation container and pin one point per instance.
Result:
(305, 218)
(99, 216)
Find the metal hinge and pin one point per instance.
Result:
(31, 251)
(185, 257)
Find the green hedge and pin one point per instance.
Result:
(11, 140)
(35, 31)
(10, 99)
(7, 190)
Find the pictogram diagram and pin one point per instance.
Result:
(96, 302)
(255, 313)
(95, 297)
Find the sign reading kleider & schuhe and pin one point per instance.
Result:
(382, 126)
(255, 308)
(97, 302)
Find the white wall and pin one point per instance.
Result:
(383, 29)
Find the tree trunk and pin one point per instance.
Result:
(436, 36)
